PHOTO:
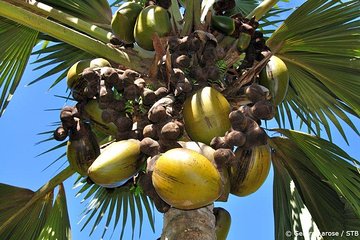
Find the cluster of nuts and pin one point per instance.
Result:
(245, 122)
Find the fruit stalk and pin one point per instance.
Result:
(262, 9)
(91, 29)
(70, 36)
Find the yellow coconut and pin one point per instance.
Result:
(208, 152)
(116, 164)
(252, 170)
(186, 179)
(206, 115)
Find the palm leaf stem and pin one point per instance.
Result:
(45, 189)
(79, 24)
(262, 9)
(188, 18)
(72, 37)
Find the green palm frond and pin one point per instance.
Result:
(16, 44)
(60, 56)
(118, 203)
(57, 226)
(290, 214)
(322, 54)
(325, 179)
(26, 214)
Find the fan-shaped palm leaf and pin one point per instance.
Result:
(324, 177)
(24, 213)
(57, 226)
(117, 202)
(16, 44)
(61, 57)
(322, 54)
(290, 213)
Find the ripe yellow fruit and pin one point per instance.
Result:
(116, 164)
(275, 76)
(252, 171)
(208, 152)
(206, 115)
(152, 19)
(186, 179)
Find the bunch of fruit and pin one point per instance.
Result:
(194, 124)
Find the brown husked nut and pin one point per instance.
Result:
(238, 120)
(131, 92)
(150, 131)
(124, 124)
(219, 142)
(255, 93)
(149, 147)
(161, 92)
(140, 82)
(223, 156)
(157, 114)
(170, 131)
(235, 138)
(264, 110)
(60, 133)
(255, 136)
(149, 96)
(182, 61)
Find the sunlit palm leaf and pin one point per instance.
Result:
(16, 43)
(57, 226)
(30, 222)
(290, 214)
(117, 203)
(331, 162)
(60, 56)
(322, 53)
(92, 11)
(324, 177)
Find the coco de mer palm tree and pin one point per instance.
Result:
(170, 104)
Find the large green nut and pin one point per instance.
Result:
(74, 73)
(152, 19)
(124, 19)
(94, 112)
(275, 77)
(82, 152)
(243, 41)
(206, 115)
(223, 223)
(118, 162)
(223, 24)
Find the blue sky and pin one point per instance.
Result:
(252, 216)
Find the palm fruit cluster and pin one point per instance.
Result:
(192, 123)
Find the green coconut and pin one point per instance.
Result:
(152, 19)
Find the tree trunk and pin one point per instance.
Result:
(189, 224)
